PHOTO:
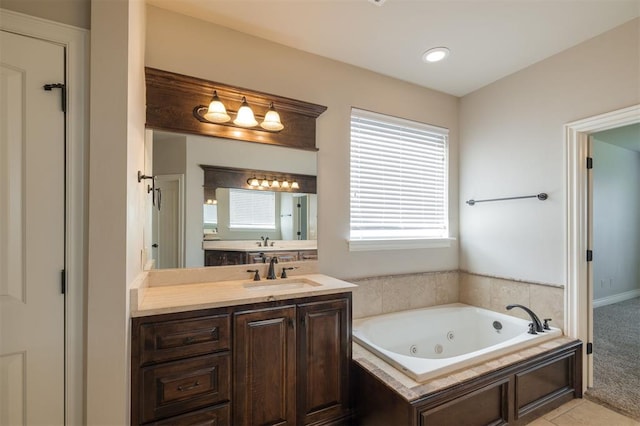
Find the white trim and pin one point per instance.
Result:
(76, 43)
(616, 298)
(577, 294)
(408, 244)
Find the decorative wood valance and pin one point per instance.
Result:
(229, 177)
(173, 98)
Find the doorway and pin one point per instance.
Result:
(168, 221)
(579, 287)
(75, 43)
(32, 232)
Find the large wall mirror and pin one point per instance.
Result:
(202, 224)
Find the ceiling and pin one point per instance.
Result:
(627, 137)
(488, 39)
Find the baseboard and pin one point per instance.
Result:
(616, 298)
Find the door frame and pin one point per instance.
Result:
(181, 214)
(76, 43)
(578, 306)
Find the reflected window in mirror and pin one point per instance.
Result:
(252, 209)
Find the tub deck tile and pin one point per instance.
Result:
(411, 390)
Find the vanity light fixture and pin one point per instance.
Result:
(272, 120)
(275, 183)
(245, 116)
(216, 113)
(436, 54)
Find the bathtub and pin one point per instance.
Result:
(430, 342)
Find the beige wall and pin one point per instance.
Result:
(512, 144)
(70, 12)
(116, 202)
(188, 46)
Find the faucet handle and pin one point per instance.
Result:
(284, 271)
(546, 324)
(532, 328)
(256, 276)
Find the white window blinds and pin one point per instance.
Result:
(252, 209)
(398, 178)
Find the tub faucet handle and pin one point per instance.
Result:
(546, 324)
(532, 328)
(256, 272)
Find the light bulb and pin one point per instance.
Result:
(272, 120)
(245, 116)
(216, 113)
(253, 182)
(295, 185)
(285, 184)
(265, 183)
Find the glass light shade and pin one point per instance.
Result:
(265, 183)
(216, 112)
(245, 116)
(209, 201)
(285, 184)
(253, 182)
(272, 120)
(275, 184)
(294, 185)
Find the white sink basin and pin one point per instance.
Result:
(279, 284)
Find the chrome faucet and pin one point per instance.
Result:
(266, 242)
(271, 275)
(537, 324)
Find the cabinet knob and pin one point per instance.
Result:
(186, 388)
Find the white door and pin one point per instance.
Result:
(168, 233)
(32, 229)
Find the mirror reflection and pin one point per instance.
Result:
(229, 223)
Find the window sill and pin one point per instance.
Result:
(400, 244)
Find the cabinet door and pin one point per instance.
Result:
(264, 367)
(323, 360)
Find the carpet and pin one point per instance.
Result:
(616, 358)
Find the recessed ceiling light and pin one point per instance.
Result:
(435, 55)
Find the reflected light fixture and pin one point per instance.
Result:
(272, 120)
(274, 182)
(216, 113)
(245, 116)
(436, 54)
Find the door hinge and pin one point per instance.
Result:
(589, 255)
(63, 281)
(589, 348)
(589, 162)
(63, 93)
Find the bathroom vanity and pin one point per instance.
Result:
(243, 352)
(222, 253)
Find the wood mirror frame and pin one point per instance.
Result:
(173, 99)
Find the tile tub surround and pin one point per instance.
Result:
(411, 390)
(392, 293)
(494, 293)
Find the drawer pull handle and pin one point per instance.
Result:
(187, 388)
(188, 339)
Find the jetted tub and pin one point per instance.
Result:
(430, 342)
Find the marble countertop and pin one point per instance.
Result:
(193, 296)
(252, 246)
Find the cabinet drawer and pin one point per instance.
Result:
(210, 416)
(167, 340)
(177, 387)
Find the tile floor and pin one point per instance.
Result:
(582, 412)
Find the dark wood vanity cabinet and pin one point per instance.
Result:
(228, 257)
(284, 362)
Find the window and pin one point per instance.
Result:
(251, 209)
(398, 180)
